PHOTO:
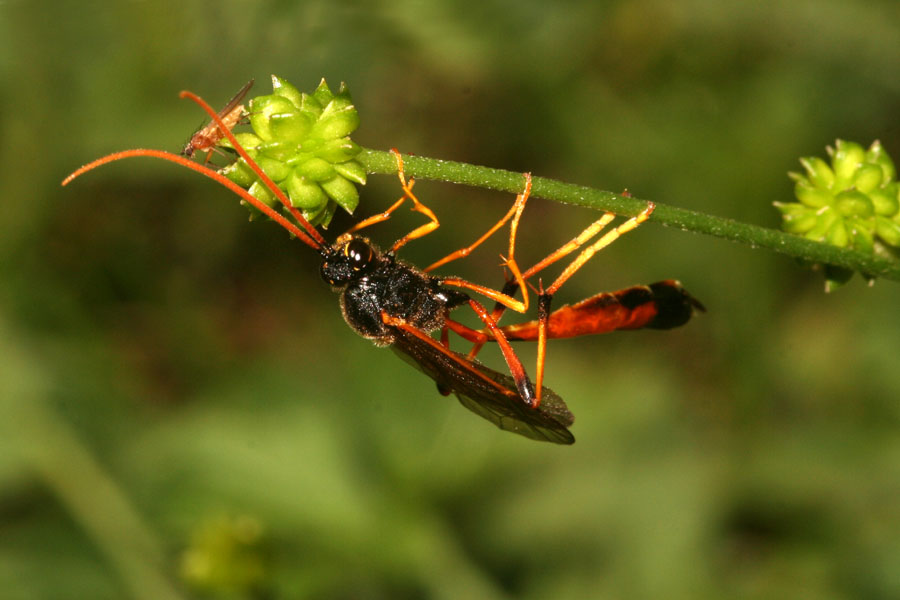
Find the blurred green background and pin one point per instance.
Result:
(183, 412)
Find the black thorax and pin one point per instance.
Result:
(372, 282)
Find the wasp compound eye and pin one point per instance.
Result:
(359, 254)
(347, 261)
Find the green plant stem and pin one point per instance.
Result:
(380, 162)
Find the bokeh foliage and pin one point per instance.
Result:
(169, 369)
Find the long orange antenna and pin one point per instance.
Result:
(256, 168)
(214, 175)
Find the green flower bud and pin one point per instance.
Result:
(282, 151)
(876, 154)
(322, 94)
(305, 193)
(809, 195)
(343, 192)
(301, 142)
(275, 169)
(294, 126)
(819, 173)
(836, 277)
(281, 87)
(798, 218)
(852, 202)
(352, 170)
(888, 230)
(866, 224)
(793, 209)
(259, 191)
(336, 123)
(310, 106)
(261, 110)
(884, 201)
(800, 224)
(316, 169)
(340, 103)
(845, 158)
(867, 177)
(339, 150)
(837, 234)
(240, 173)
(298, 158)
(248, 140)
(861, 238)
(824, 220)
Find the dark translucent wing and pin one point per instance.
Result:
(236, 99)
(488, 393)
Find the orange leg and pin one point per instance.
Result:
(497, 296)
(504, 299)
(407, 186)
(210, 151)
(512, 286)
(501, 297)
(572, 245)
(591, 250)
(380, 217)
(515, 210)
(569, 247)
(546, 296)
(463, 331)
(523, 384)
(417, 206)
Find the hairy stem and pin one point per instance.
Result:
(380, 162)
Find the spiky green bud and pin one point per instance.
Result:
(818, 172)
(302, 143)
(876, 154)
(846, 157)
(852, 202)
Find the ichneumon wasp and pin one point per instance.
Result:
(398, 305)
